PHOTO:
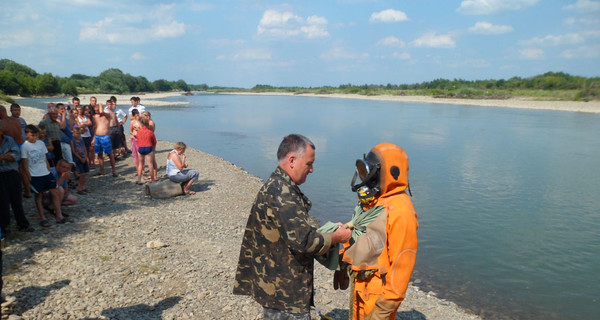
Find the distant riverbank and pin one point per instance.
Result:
(519, 103)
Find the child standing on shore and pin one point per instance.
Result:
(37, 169)
(80, 158)
(146, 144)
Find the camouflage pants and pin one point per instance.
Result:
(274, 314)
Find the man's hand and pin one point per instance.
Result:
(342, 234)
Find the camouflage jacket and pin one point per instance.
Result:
(279, 244)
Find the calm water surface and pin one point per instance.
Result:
(508, 199)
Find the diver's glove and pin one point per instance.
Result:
(340, 277)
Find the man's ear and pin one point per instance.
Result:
(291, 159)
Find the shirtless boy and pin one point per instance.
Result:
(102, 139)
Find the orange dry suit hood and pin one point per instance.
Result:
(383, 172)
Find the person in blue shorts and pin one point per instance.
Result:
(102, 140)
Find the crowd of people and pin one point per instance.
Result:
(50, 160)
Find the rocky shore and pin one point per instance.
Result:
(103, 266)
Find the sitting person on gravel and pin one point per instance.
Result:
(176, 165)
(62, 173)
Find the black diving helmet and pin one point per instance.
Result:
(367, 170)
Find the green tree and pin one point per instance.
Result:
(9, 83)
(46, 84)
(181, 85)
(161, 85)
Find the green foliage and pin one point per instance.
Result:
(162, 85)
(16, 68)
(46, 84)
(17, 79)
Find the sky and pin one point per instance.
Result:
(304, 43)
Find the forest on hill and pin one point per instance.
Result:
(21, 80)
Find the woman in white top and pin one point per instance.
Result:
(175, 168)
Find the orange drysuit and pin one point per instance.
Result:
(382, 260)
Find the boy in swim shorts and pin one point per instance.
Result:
(33, 155)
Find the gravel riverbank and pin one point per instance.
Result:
(100, 267)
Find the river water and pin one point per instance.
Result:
(508, 199)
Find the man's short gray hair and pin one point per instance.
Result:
(293, 143)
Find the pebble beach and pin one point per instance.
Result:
(129, 256)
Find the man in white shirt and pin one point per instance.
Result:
(135, 104)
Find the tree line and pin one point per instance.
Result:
(18, 79)
(553, 85)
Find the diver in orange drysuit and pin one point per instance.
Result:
(382, 259)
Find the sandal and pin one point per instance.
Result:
(45, 223)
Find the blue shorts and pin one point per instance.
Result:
(81, 167)
(145, 150)
(43, 183)
(103, 144)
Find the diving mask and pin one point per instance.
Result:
(367, 170)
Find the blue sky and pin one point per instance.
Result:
(304, 43)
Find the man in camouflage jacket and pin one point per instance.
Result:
(279, 244)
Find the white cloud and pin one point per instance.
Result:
(556, 40)
(582, 52)
(585, 6)
(283, 25)
(389, 15)
(123, 29)
(391, 41)
(480, 7)
(531, 53)
(339, 53)
(401, 56)
(483, 27)
(252, 54)
(21, 25)
(432, 40)
(586, 21)
(137, 56)
(18, 38)
(316, 27)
